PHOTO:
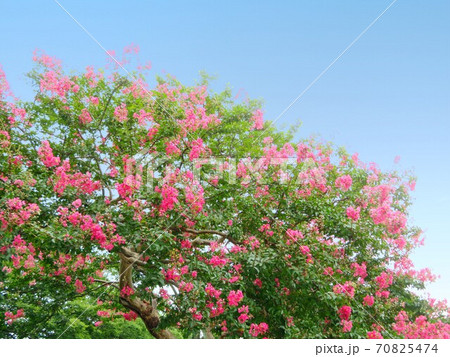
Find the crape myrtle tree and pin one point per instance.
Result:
(185, 211)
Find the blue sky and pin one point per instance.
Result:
(388, 95)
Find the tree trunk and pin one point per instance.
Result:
(147, 311)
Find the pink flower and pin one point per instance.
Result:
(186, 244)
(6, 140)
(243, 309)
(346, 325)
(10, 317)
(345, 312)
(197, 149)
(242, 318)
(18, 183)
(347, 289)
(384, 280)
(172, 147)
(258, 283)
(293, 236)
(94, 100)
(344, 182)
(353, 213)
(368, 300)
(211, 291)
(102, 313)
(235, 297)
(169, 198)
(195, 315)
(45, 153)
(121, 113)
(56, 84)
(85, 117)
(129, 185)
(304, 249)
(256, 330)
(76, 203)
(360, 270)
(218, 261)
(130, 316)
(164, 294)
(374, 335)
(198, 316)
(79, 286)
(126, 291)
(253, 242)
(257, 119)
(187, 287)
(143, 117)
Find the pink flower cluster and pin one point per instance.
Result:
(186, 286)
(57, 84)
(381, 212)
(235, 297)
(121, 112)
(197, 149)
(85, 116)
(10, 317)
(87, 224)
(344, 182)
(194, 197)
(373, 335)
(143, 117)
(360, 269)
(129, 185)
(218, 261)
(257, 119)
(243, 317)
(293, 236)
(169, 197)
(347, 289)
(5, 141)
(256, 330)
(216, 309)
(384, 280)
(345, 312)
(353, 213)
(19, 212)
(172, 147)
(130, 316)
(45, 153)
(194, 109)
(42, 58)
(368, 300)
(346, 325)
(253, 242)
(421, 328)
(195, 314)
(82, 182)
(126, 291)
(25, 254)
(80, 288)
(211, 291)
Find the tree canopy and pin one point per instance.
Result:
(128, 211)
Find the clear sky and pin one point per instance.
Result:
(388, 96)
